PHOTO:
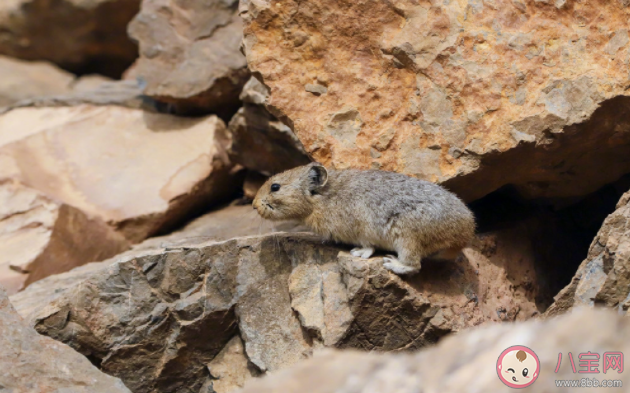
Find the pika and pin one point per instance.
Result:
(371, 209)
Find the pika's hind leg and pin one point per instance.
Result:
(394, 265)
(408, 262)
(364, 252)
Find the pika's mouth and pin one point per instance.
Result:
(514, 379)
(265, 210)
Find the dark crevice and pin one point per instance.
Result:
(95, 360)
(86, 41)
(560, 231)
(107, 66)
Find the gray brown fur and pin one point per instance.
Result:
(372, 209)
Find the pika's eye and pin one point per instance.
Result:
(510, 369)
(525, 371)
(275, 187)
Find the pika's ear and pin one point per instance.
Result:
(317, 176)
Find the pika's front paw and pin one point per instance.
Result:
(364, 253)
(393, 265)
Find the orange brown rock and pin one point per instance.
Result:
(472, 94)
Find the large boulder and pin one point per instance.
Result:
(141, 172)
(189, 54)
(181, 315)
(603, 278)
(475, 95)
(468, 362)
(31, 363)
(80, 35)
(40, 236)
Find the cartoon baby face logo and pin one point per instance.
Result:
(518, 367)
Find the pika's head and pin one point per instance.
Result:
(290, 195)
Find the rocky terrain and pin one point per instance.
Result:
(461, 363)
(134, 135)
(34, 363)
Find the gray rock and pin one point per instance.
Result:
(190, 54)
(31, 363)
(465, 362)
(161, 317)
(127, 93)
(315, 89)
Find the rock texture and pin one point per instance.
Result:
(229, 369)
(465, 362)
(139, 171)
(33, 363)
(40, 236)
(174, 312)
(225, 223)
(603, 278)
(189, 54)
(22, 80)
(81, 35)
(92, 90)
(40, 84)
(472, 94)
(258, 140)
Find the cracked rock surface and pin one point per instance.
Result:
(462, 363)
(180, 313)
(31, 363)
